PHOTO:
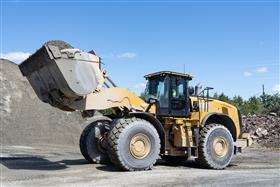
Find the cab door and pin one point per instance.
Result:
(179, 99)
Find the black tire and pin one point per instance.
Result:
(207, 156)
(174, 159)
(119, 144)
(90, 146)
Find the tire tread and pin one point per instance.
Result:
(113, 150)
(203, 159)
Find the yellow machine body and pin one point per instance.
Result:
(183, 128)
(73, 80)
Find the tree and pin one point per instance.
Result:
(222, 97)
(255, 105)
(238, 101)
(272, 103)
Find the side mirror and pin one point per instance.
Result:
(191, 90)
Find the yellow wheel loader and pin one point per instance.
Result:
(175, 121)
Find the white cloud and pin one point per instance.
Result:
(140, 85)
(262, 69)
(247, 74)
(127, 55)
(276, 88)
(16, 57)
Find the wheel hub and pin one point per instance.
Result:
(220, 146)
(140, 146)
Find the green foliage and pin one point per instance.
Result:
(222, 97)
(142, 95)
(107, 112)
(271, 102)
(253, 105)
(264, 103)
(238, 101)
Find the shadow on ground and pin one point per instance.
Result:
(189, 164)
(31, 162)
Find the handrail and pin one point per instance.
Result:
(206, 108)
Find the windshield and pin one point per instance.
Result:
(155, 87)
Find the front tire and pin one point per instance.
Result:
(215, 147)
(133, 144)
(93, 140)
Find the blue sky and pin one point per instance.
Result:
(232, 46)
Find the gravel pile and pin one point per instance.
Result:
(264, 129)
(25, 120)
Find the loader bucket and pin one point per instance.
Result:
(60, 74)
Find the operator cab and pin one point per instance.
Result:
(170, 92)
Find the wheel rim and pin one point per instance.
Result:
(220, 146)
(140, 146)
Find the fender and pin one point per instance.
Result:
(222, 119)
(156, 123)
(97, 118)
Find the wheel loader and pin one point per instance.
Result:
(174, 121)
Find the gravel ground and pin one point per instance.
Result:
(64, 166)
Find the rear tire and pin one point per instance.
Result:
(133, 144)
(215, 147)
(92, 140)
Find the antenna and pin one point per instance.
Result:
(184, 68)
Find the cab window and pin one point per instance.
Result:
(177, 89)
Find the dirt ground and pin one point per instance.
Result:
(64, 166)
